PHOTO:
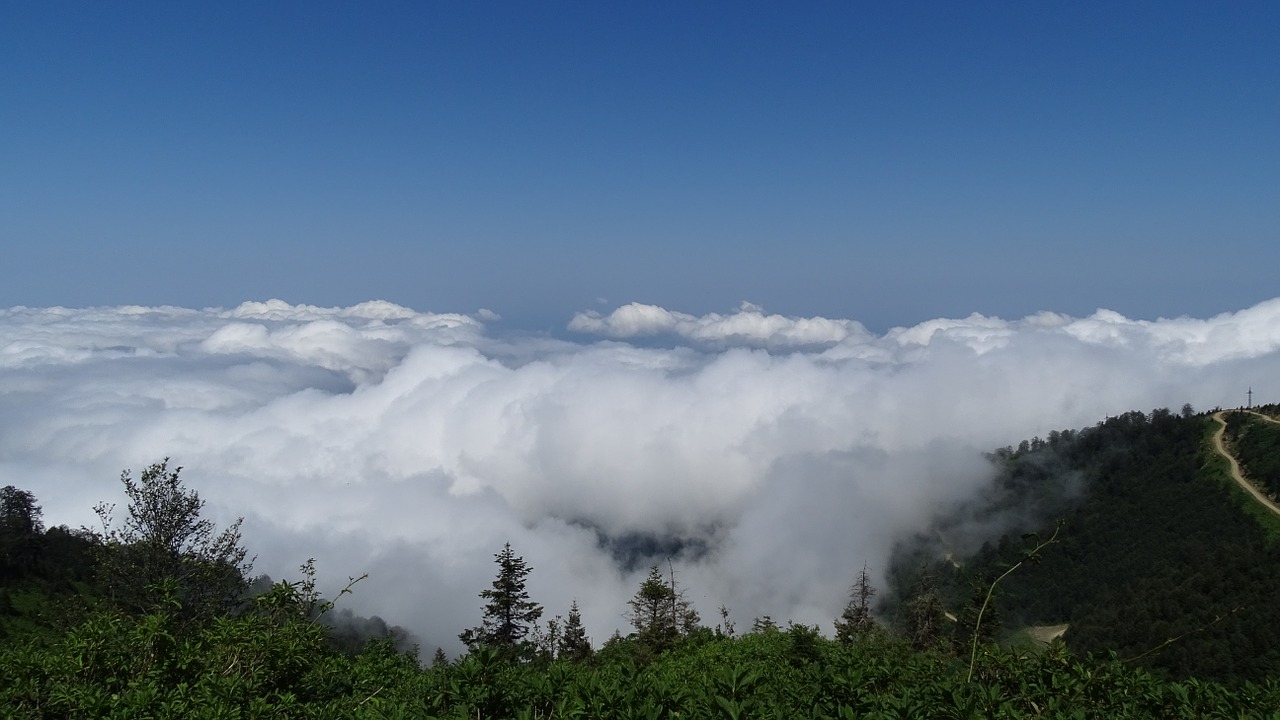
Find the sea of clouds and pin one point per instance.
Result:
(774, 455)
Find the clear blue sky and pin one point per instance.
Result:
(887, 162)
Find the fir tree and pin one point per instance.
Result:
(967, 620)
(660, 613)
(509, 614)
(925, 613)
(856, 621)
(682, 611)
(546, 642)
(651, 611)
(574, 643)
(764, 624)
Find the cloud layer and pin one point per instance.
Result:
(786, 451)
(750, 327)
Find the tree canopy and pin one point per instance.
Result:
(21, 528)
(165, 547)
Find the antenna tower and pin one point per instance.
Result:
(1251, 397)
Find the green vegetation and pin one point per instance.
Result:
(1167, 585)
(1154, 561)
(165, 550)
(1256, 443)
(273, 662)
(1217, 467)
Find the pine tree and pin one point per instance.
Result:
(764, 624)
(574, 643)
(856, 621)
(651, 611)
(683, 613)
(509, 614)
(962, 636)
(546, 642)
(660, 612)
(925, 613)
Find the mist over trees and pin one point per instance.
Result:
(1157, 560)
(856, 622)
(720, 447)
(1156, 543)
(659, 611)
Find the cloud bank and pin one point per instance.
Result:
(775, 455)
(750, 327)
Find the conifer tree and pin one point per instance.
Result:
(509, 614)
(856, 621)
(660, 612)
(925, 613)
(967, 620)
(546, 642)
(574, 643)
(651, 611)
(764, 624)
(682, 611)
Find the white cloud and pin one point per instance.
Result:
(412, 445)
(747, 327)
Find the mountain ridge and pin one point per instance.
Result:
(1158, 544)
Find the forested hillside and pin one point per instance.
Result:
(1156, 557)
(1167, 584)
(1254, 437)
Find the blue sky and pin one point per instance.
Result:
(888, 163)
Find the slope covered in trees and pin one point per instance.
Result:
(1254, 438)
(1156, 559)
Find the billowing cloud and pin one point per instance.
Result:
(774, 455)
(749, 326)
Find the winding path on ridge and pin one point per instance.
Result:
(1235, 466)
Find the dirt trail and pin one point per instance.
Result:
(1235, 466)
